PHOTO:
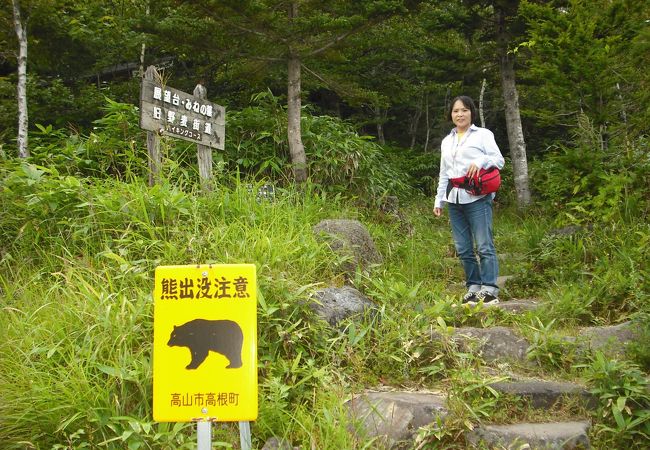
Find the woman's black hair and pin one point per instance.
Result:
(469, 104)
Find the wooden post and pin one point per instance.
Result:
(204, 152)
(153, 141)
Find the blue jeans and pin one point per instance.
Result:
(471, 224)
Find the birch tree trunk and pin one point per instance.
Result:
(23, 121)
(515, 131)
(481, 113)
(511, 103)
(415, 122)
(426, 119)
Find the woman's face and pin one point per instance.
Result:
(461, 116)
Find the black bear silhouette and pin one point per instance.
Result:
(202, 336)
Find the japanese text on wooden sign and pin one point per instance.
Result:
(205, 343)
(166, 110)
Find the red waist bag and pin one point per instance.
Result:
(486, 182)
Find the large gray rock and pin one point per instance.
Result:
(545, 394)
(351, 239)
(532, 436)
(336, 304)
(395, 417)
(492, 344)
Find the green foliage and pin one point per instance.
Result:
(624, 393)
(579, 61)
(598, 273)
(339, 159)
(547, 348)
(595, 183)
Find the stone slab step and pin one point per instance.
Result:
(533, 436)
(395, 416)
(517, 306)
(493, 343)
(546, 394)
(612, 340)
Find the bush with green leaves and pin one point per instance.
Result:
(339, 159)
(589, 182)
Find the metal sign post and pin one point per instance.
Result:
(204, 435)
(245, 435)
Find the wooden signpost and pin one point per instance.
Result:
(165, 111)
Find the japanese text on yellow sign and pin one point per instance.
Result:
(205, 343)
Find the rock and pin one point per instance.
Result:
(336, 304)
(517, 306)
(611, 340)
(493, 344)
(545, 394)
(395, 416)
(349, 238)
(533, 436)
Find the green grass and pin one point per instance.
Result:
(76, 275)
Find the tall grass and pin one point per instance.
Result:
(76, 277)
(77, 257)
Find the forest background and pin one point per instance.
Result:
(358, 90)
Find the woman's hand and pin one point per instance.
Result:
(473, 170)
(437, 212)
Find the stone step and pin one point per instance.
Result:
(612, 340)
(546, 394)
(517, 306)
(493, 343)
(533, 436)
(394, 417)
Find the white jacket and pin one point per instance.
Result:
(476, 146)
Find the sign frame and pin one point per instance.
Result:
(168, 111)
(205, 343)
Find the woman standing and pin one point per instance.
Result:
(465, 151)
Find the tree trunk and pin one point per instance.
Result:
(481, 113)
(143, 48)
(296, 148)
(515, 131)
(23, 121)
(426, 119)
(511, 103)
(380, 119)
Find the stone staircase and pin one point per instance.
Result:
(393, 418)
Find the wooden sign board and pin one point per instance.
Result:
(168, 111)
(205, 343)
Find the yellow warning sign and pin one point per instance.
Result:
(205, 343)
